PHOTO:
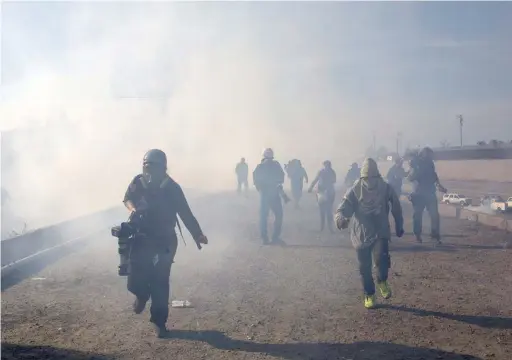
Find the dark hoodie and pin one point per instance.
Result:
(425, 176)
(352, 176)
(268, 177)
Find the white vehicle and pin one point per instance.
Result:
(456, 199)
(495, 202)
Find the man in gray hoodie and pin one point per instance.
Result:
(365, 207)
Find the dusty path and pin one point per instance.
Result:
(302, 301)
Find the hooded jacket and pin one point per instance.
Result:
(326, 178)
(352, 175)
(425, 176)
(396, 176)
(367, 204)
(268, 177)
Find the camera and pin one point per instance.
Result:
(127, 233)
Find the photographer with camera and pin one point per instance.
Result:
(154, 200)
(426, 183)
(268, 178)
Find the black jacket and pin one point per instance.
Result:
(164, 203)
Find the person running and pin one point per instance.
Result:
(326, 178)
(298, 176)
(365, 208)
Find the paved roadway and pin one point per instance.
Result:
(302, 301)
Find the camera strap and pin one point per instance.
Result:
(179, 229)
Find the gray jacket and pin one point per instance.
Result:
(367, 205)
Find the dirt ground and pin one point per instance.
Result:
(300, 301)
(469, 170)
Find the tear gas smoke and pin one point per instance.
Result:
(134, 77)
(206, 82)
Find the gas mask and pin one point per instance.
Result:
(153, 173)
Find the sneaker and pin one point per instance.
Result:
(161, 331)
(369, 301)
(278, 241)
(385, 291)
(139, 305)
(436, 239)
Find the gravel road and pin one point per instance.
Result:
(300, 301)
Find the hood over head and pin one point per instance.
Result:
(369, 169)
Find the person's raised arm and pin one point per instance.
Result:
(305, 175)
(317, 178)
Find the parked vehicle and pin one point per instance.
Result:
(456, 199)
(495, 202)
(509, 203)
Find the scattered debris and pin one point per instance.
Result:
(181, 304)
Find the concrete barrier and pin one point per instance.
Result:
(23, 247)
(496, 221)
(469, 215)
(493, 220)
(19, 247)
(448, 210)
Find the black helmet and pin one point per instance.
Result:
(154, 167)
(155, 156)
(426, 153)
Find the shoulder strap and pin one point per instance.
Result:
(163, 184)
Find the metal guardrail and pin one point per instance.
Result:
(24, 248)
(40, 240)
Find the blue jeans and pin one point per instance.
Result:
(268, 203)
(326, 211)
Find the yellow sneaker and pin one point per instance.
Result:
(369, 301)
(385, 291)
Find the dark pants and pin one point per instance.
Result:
(297, 190)
(242, 182)
(268, 203)
(327, 212)
(149, 278)
(379, 253)
(421, 202)
(398, 188)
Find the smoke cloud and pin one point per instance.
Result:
(208, 83)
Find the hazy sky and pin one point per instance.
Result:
(312, 80)
(393, 64)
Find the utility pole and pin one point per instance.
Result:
(461, 123)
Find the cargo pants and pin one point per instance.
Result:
(149, 278)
